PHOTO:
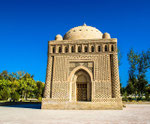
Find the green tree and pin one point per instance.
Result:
(39, 90)
(147, 93)
(27, 85)
(122, 89)
(4, 94)
(15, 96)
(4, 75)
(4, 88)
(131, 90)
(139, 64)
(19, 83)
(143, 66)
(133, 59)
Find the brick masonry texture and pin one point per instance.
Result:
(90, 63)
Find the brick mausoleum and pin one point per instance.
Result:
(82, 71)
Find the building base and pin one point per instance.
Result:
(66, 105)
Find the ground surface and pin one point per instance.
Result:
(32, 114)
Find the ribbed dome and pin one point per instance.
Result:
(83, 32)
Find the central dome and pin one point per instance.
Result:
(83, 32)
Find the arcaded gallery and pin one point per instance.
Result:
(82, 71)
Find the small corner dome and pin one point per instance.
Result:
(58, 37)
(106, 36)
(83, 32)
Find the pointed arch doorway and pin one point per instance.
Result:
(82, 82)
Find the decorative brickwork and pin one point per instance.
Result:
(115, 77)
(60, 90)
(48, 78)
(81, 68)
(103, 89)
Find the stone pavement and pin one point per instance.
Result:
(132, 114)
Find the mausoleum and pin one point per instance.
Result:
(82, 71)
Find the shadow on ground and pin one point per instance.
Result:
(31, 105)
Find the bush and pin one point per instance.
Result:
(4, 94)
(15, 96)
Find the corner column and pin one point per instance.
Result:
(115, 76)
(48, 77)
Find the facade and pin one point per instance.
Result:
(82, 71)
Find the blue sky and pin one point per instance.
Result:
(26, 26)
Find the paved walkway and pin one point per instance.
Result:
(132, 114)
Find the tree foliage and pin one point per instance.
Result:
(19, 85)
(139, 65)
(15, 96)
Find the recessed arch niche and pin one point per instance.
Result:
(81, 86)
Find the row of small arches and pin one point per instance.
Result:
(79, 49)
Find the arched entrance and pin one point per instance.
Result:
(83, 86)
